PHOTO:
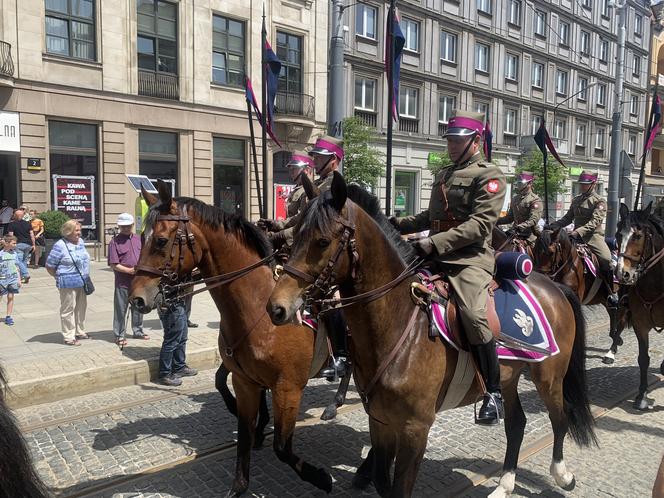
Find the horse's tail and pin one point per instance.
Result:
(575, 387)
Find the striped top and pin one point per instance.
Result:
(66, 273)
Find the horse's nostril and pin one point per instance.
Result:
(278, 314)
(138, 303)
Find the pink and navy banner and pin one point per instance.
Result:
(399, 42)
(656, 126)
(543, 141)
(488, 141)
(251, 98)
(272, 70)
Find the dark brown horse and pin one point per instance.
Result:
(184, 233)
(344, 231)
(641, 268)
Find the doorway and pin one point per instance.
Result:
(9, 179)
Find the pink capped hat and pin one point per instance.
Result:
(300, 159)
(525, 177)
(465, 123)
(328, 146)
(587, 177)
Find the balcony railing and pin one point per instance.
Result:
(510, 140)
(160, 85)
(409, 125)
(297, 104)
(442, 129)
(369, 118)
(6, 61)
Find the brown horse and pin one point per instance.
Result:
(641, 268)
(501, 241)
(184, 233)
(403, 376)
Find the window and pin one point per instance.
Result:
(638, 25)
(604, 50)
(540, 23)
(585, 43)
(561, 82)
(448, 46)
(581, 135)
(289, 51)
(481, 57)
(484, 6)
(365, 21)
(560, 129)
(408, 101)
(604, 6)
(537, 75)
(365, 93)
(536, 122)
(447, 105)
(587, 4)
(73, 151)
(405, 192)
(583, 89)
(228, 174)
(512, 67)
(70, 28)
(634, 105)
(599, 138)
(514, 12)
(636, 68)
(563, 33)
(158, 154)
(631, 145)
(157, 36)
(411, 30)
(227, 51)
(601, 95)
(482, 107)
(510, 121)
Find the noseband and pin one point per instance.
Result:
(643, 264)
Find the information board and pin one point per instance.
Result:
(75, 196)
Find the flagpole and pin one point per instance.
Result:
(390, 116)
(264, 118)
(546, 190)
(255, 157)
(639, 185)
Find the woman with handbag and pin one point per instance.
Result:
(69, 263)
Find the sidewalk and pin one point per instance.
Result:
(40, 368)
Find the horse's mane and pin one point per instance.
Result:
(321, 213)
(543, 241)
(216, 217)
(654, 222)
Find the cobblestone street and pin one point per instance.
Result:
(145, 440)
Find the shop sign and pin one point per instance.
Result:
(281, 193)
(10, 134)
(575, 171)
(75, 196)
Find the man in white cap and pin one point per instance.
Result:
(124, 251)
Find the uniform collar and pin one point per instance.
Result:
(475, 158)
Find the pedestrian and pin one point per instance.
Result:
(40, 241)
(10, 282)
(26, 242)
(124, 251)
(69, 263)
(172, 357)
(6, 213)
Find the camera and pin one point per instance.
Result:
(111, 231)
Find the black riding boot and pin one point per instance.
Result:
(491, 411)
(335, 325)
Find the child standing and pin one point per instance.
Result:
(9, 275)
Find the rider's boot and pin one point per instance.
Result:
(337, 331)
(491, 411)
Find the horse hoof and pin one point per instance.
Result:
(361, 481)
(643, 404)
(607, 360)
(570, 486)
(258, 441)
(236, 491)
(323, 480)
(329, 413)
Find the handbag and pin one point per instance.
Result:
(88, 286)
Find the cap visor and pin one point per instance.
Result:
(321, 151)
(459, 132)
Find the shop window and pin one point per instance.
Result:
(405, 193)
(158, 155)
(229, 175)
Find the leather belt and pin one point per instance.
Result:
(444, 225)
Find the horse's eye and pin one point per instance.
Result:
(161, 242)
(636, 236)
(323, 242)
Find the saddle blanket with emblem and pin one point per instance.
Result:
(522, 321)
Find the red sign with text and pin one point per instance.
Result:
(74, 196)
(281, 193)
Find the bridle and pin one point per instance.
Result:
(643, 264)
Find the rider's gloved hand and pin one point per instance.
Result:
(393, 221)
(424, 247)
(278, 239)
(267, 224)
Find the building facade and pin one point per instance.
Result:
(152, 87)
(654, 172)
(516, 61)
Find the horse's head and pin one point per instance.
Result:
(322, 252)
(169, 249)
(634, 239)
(546, 252)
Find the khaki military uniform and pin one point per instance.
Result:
(465, 204)
(323, 184)
(524, 213)
(587, 212)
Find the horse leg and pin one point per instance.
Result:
(383, 444)
(248, 396)
(515, 423)
(642, 402)
(330, 411)
(362, 477)
(661, 368)
(263, 420)
(616, 326)
(285, 405)
(412, 443)
(220, 382)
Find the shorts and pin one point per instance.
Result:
(9, 289)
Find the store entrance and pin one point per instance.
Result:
(9, 179)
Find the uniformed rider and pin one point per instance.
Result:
(587, 212)
(525, 210)
(466, 200)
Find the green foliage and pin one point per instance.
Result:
(556, 173)
(362, 162)
(441, 162)
(53, 221)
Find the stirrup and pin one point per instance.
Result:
(492, 398)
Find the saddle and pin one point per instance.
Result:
(590, 261)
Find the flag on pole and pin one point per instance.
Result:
(251, 98)
(543, 141)
(399, 42)
(272, 76)
(656, 125)
(488, 141)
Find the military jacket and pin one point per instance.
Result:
(465, 204)
(587, 212)
(524, 213)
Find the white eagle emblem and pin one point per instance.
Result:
(524, 322)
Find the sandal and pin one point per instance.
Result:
(121, 342)
(82, 336)
(145, 337)
(73, 343)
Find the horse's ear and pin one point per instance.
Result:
(339, 191)
(623, 211)
(150, 198)
(309, 188)
(165, 195)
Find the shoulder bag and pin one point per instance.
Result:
(88, 286)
